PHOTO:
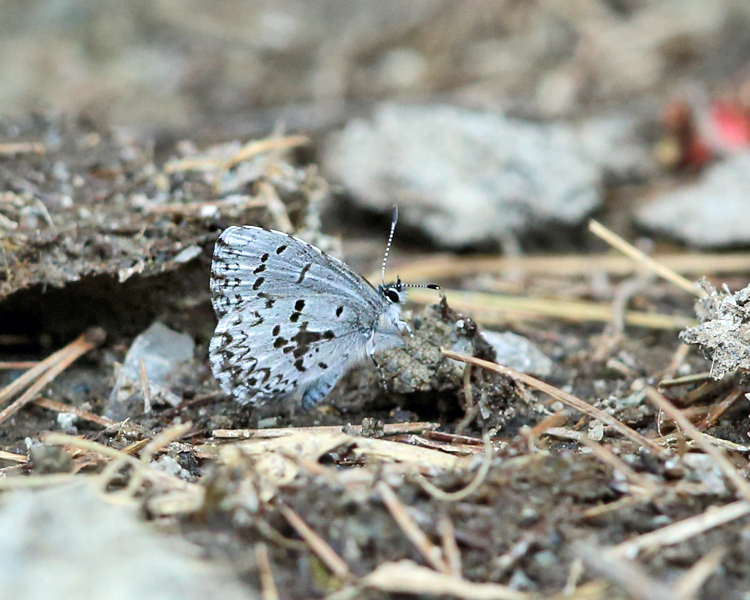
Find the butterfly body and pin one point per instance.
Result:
(293, 320)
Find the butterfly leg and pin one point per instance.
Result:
(383, 381)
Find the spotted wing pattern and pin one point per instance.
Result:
(292, 320)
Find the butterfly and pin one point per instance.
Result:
(293, 320)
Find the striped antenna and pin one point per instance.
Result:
(429, 286)
(390, 241)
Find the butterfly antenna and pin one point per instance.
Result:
(390, 241)
(429, 286)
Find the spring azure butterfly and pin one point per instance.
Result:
(293, 320)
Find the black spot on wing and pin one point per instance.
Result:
(299, 305)
(279, 342)
(303, 338)
(281, 248)
(259, 269)
(339, 310)
(303, 272)
(276, 330)
(270, 300)
(298, 364)
(258, 283)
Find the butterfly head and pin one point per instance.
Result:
(395, 293)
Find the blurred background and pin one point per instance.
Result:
(636, 91)
(180, 63)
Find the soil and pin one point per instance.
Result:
(122, 238)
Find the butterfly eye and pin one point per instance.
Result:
(393, 296)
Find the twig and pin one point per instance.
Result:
(473, 486)
(501, 564)
(720, 409)
(416, 536)
(560, 395)
(267, 584)
(682, 530)
(318, 545)
(65, 357)
(639, 257)
(608, 457)
(450, 546)
(407, 577)
(689, 584)
(12, 457)
(686, 380)
(181, 208)
(18, 384)
(162, 440)
(602, 509)
(66, 408)
(13, 148)
(628, 575)
(471, 410)
(388, 429)
(677, 360)
(726, 467)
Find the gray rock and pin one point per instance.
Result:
(710, 213)
(518, 353)
(67, 544)
(162, 352)
(466, 177)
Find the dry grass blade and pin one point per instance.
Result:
(628, 575)
(498, 308)
(564, 397)
(450, 546)
(726, 467)
(154, 475)
(406, 577)
(256, 147)
(22, 382)
(318, 545)
(689, 584)
(7, 365)
(388, 429)
(162, 440)
(469, 489)
(682, 530)
(639, 257)
(184, 208)
(267, 584)
(64, 358)
(408, 525)
(10, 456)
(59, 407)
(447, 266)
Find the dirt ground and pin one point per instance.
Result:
(620, 471)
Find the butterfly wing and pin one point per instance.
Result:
(290, 317)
